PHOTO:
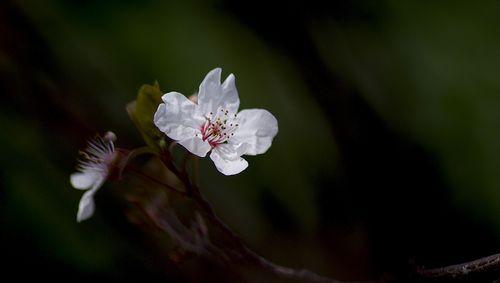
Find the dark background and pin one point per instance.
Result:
(387, 155)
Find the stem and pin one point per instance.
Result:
(485, 264)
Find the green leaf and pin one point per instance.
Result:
(142, 110)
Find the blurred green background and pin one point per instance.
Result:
(388, 150)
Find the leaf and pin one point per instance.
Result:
(142, 110)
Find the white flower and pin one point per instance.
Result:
(215, 124)
(93, 170)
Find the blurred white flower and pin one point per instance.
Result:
(93, 169)
(215, 124)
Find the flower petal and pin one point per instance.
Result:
(230, 99)
(83, 181)
(227, 158)
(257, 127)
(212, 94)
(86, 206)
(196, 146)
(209, 91)
(176, 117)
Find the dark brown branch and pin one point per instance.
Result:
(486, 264)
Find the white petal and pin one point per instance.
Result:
(196, 146)
(227, 159)
(83, 181)
(176, 117)
(230, 99)
(231, 151)
(86, 206)
(257, 127)
(212, 94)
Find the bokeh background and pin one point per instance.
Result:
(388, 154)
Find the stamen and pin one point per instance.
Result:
(217, 130)
(97, 156)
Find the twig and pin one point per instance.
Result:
(486, 264)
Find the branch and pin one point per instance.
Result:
(244, 253)
(486, 264)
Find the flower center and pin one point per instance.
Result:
(219, 127)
